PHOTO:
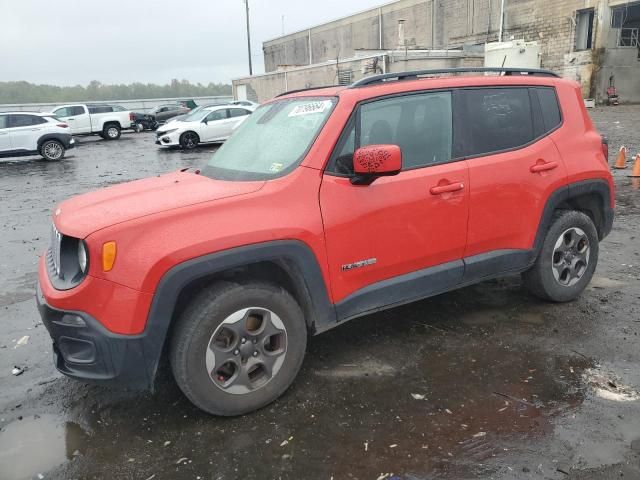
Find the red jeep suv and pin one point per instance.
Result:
(326, 205)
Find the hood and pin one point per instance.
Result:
(85, 214)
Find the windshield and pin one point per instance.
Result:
(195, 115)
(272, 141)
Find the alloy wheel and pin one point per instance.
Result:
(53, 150)
(570, 257)
(247, 350)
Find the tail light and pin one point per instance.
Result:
(132, 117)
(605, 148)
(62, 125)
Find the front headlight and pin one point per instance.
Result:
(82, 256)
(168, 131)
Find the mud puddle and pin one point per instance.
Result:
(34, 445)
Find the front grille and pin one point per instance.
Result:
(54, 251)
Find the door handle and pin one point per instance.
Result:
(451, 187)
(543, 167)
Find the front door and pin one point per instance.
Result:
(76, 117)
(214, 126)
(402, 237)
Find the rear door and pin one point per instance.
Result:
(236, 117)
(401, 237)
(25, 130)
(513, 169)
(5, 138)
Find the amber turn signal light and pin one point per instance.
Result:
(109, 251)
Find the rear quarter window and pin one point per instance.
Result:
(551, 117)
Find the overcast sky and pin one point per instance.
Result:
(69, 42)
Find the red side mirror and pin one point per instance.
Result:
(376, 161)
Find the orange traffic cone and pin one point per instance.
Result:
(635, 173)
(621, 161)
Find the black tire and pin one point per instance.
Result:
(551, 276)
(193, 334)
(189, 140)
(111, 131)
(52, 150)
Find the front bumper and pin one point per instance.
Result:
(84, 349)
(168, 140)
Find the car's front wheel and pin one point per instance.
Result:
(189, 140)
(52, 150)
(237, 348)
(567, 260)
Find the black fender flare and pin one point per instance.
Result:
(598, 187)
(63, 138)
(295, 256)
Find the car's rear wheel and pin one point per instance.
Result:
(237, 348)
(189, 140)
(111, 131)
(52, 150)
(567, 260)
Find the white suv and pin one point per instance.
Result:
(28, 133)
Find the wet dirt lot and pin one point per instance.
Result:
(485, 382)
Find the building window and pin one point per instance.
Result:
(584, 29)
(626, 20)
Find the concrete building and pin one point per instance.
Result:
(592, 41)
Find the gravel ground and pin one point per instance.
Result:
(485, 382)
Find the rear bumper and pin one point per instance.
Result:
(84, 349)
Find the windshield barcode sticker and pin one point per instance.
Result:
(309, 108)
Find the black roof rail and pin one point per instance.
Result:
(306, 90)
(413, 75)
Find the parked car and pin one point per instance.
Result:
(163, 113)
(212, 124)
(245, 103)
(141, 121)
(324, 206)
(180, 118)
(31, 133)
(91, 120)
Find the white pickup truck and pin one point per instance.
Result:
(93, 120)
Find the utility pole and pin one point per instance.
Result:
(246, 2)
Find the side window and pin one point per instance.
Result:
(62, 112)
(24, 120)
(99, 109)
(550, 108)
(496, 119)
(420, 124)
(217, 115)
(238, 112)
(163, 109)
(76, 110)
(3, 121)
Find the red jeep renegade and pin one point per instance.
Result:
(324, 206)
